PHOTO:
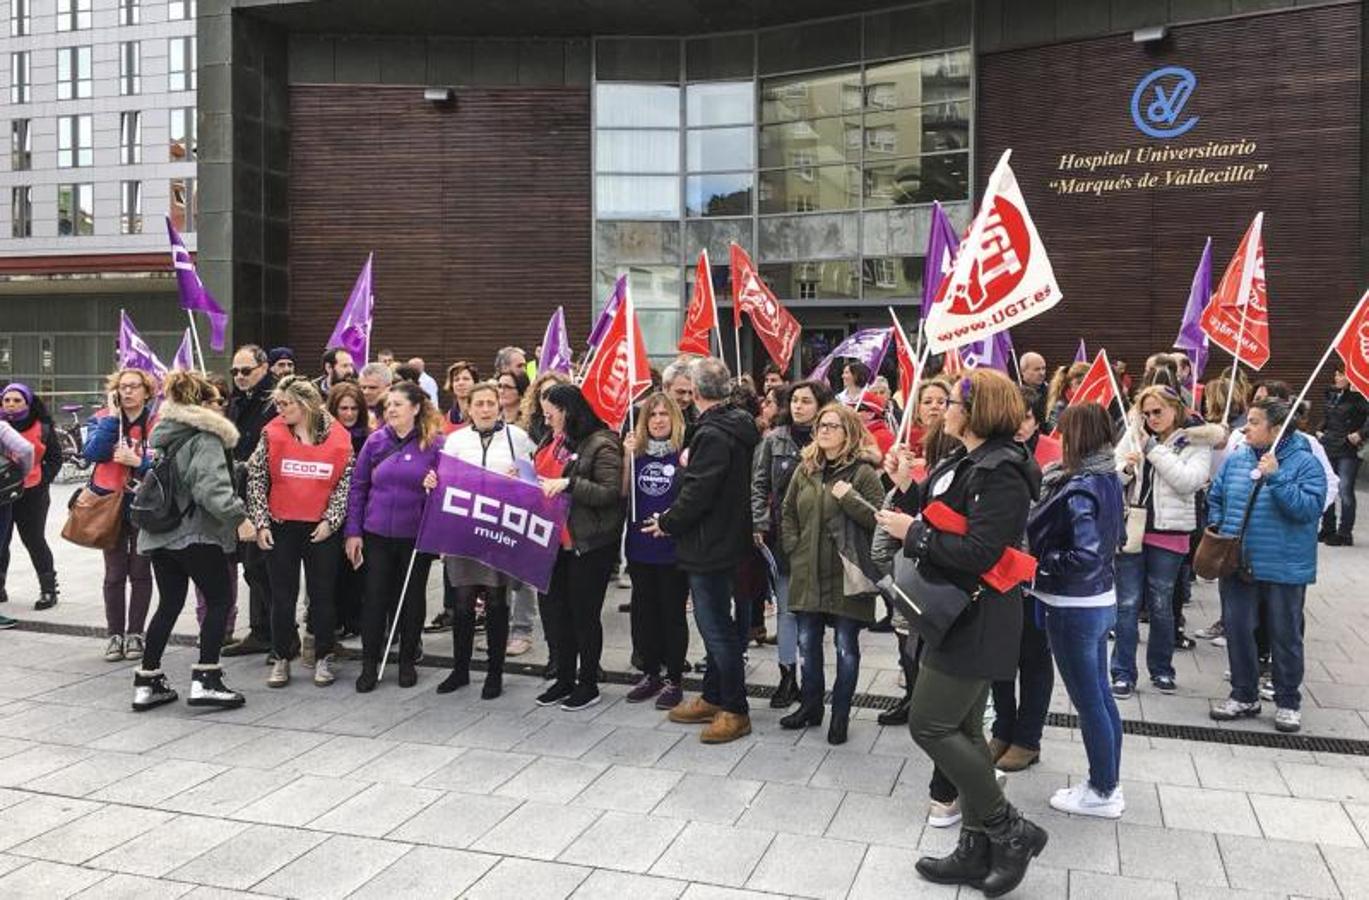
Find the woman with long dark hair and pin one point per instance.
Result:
(347, 405)
(461, 377)
(28, 515)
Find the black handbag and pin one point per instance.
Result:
(11, 481)
(931, 605)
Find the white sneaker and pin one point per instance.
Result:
(1287, 720)
(280, 674)
(944, 815)
(1083, 800)
(1267, 689)
(133, 646)
(323, 671)
(114, 650)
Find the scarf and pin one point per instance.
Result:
(802, 435)
(657, 448)
(1056, 475)
(20, 421)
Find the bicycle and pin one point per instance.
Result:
(71, 437)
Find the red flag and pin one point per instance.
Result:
(701, 316)
(1097, 386)
(952, 364)
(1242, 293)
(775, 326)
(907, 367)
(612, 381)
(1353, 346)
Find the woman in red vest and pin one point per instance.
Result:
(116, 441)
(297, 483)
(29, 514)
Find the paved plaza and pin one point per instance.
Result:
(310, 792)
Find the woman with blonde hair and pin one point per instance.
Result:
(1062, 388)
(297, 482)
(824, 520)
(530, 418)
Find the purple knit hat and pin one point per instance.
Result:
(22, 389)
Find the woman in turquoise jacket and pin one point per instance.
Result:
(1279, 553)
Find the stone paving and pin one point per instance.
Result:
(309, 792)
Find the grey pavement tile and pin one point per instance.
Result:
(42, 880)
(10, 863)
(690, 755)
(537, 830)
(340, 756)
(1200, 809)
(9, 797)
(332, 869)
(858, 772)
(628, 789)
(98, 771)
(146, 735)
(478, 771)
(632, 747)
(1252, 776)
(570, 739)
(1359, 814)
(370, 720)
(630, 715)
(159, 850)
(1075, 843)
(134, 887)
(623, 841)
(808, 866)
(551, 779)
(708, 798)
(92, 726)
(1162, 854)
(1326, 782)
(496, 731)
(1280, 866)
(861, 736)
(306, 709)
(83, 839)
(1143, 804)
(37, 761)
(1160, 766)
(716, 854)
(888, 872)
(528, 879)
(1208, 892)
(155, 784)
(226, 793)
(1064, 756)
(301, 801)
(1030, 790)
(435, 725)
(1350, 868)
(428, 873)
(792, 765)
(788, 808)
(37, 815)
(213, 741)
(714, 892)
(1093, 886)
(1311, 821)
(407, 763)
(38, 718)
(624, 885)
(248, 857)
(895, 821)
(10, 746)
(376, 811)
(457, 820)
(274, 748)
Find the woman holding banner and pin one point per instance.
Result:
(392, 474)
(592, 476)
(491, 444)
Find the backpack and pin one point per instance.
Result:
(154, 508)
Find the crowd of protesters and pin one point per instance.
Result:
(713, 483)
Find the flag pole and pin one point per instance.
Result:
(737, 340)
(195, 336)
(903, 336)
(717, 327)
(1236, 363)
(399, 613)
(1302, 395)
(918, 366)
(1247, 277)
(626, 309)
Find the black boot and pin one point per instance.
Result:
(788, 690)
(463, 643)
(497, 640)
(899, 714)
(150, 690)
(967, 864)
(1013, 843)
(4, 595)
(47, 590)
(207, 689)
(807, 714)
(836, 731)
(366, 681)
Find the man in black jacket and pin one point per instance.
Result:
(1344, 428)
(711, 524)
(249, 408)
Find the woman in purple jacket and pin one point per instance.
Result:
(389, 486)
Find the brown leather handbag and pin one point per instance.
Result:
(1223, 555)
(94, 520)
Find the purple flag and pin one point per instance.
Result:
(1082, 354)
(556, 355)
(994, 352)
(942, 246)
(353, 330)
(194, 296)
(868, 345)
(184, 360)
(1191, 336)
(601, 324)
(134, 353)
(505, 523)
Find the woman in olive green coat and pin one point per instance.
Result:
(825, 528)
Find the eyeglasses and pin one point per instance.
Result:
(829, 426)
(508, 387)
(955, 402)
(244, 371)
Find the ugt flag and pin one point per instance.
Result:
(701, 316)
(134, 352)
(1001, 276)
(614, 379)
(1353, 346)
(353, 330)
(195, 297)
(505, 523)
(1097, 386)
(775, 326)
(867, 345)
(1191, 337)
(556, 355)
(1237, 318)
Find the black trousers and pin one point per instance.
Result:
(496, 627)
(174, 570)
(253, 560)
(320, 560)
(29, 517)
(387, 560)
(574, 606)
(351, 594)
(660, 632)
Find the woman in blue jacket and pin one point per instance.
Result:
(1279, 554)
(1074, 533)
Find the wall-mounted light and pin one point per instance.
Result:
(1150, 34)
(439, 94)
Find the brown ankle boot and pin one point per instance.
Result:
(697, 711)
(726, 726)
(1016, 758)
(997, 748)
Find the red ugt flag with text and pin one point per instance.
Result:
(614, 380)
(701, 316)
(775, 326)
(1353, 346)
(1242, 294)
(1097, 386)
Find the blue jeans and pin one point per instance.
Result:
(1241, 613)
(846, 634)
(1347, 470)
(1021, 722)
(1079, 641)
(725, 677)
(1149, 576)
(786, 626)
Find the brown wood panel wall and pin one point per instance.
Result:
(478, 214)
(1288, 81)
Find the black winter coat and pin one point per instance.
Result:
(710, 520)
(596, 484)
(1347, 412)
(249, 411)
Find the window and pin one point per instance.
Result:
(21, 145)
(183, 147)
(75, 209)
(19, 77)
(130, 68)
(21, 211)
(180, 9)
(75, 142)
(20, 19)
(73, 73)
(181, 71)
(130, 207)
(130, 12)
(130, 138)
(185, 205)
(720, 194)
(73, 15)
